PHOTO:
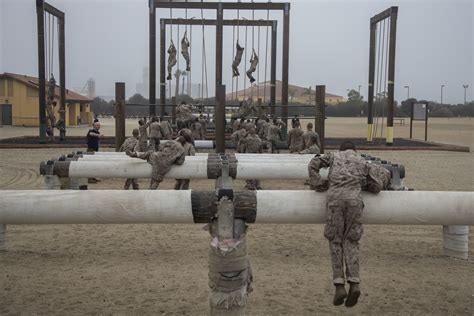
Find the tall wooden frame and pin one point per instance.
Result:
(219, 7)
(391, 13)
(41, 7)
(207, 22)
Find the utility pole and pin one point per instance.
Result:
(359, 89)
(465, 86)
(442, 86)
(408, 91)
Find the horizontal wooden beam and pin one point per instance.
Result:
(225, 5)
(383, 15)
(209, 22)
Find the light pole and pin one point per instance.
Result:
(465, 86)
(408, 91)
(442, 86)
(359, 89)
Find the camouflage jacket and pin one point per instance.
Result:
(198, 133)
(295, 139)
(347, 174)
(307, 139)
(273, 133)
(236, 138)
(143, 132)
(252, 144)
(378, 179)
(155, 130)
(189, 149)
(169, 153)
(166, 128)
(129, 144)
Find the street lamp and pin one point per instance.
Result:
(359, 88)
(465, 86)
(442, 86)
(408, 91)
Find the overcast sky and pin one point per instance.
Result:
(108, 41)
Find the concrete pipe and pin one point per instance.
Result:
(191, 169)
(282, 206)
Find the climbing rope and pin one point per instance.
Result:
(266, 61)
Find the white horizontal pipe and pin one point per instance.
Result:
(307, 207)
(254, 158)
(191, 169)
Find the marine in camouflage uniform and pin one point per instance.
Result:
(129, 145)
(273, 136)
(184, 116)
(246, 109)
(142, 145)
(196, 128)
(295, 139)
(202, 120)
(312, 143)
(253, 66)
(169, 154)
(252, 145)
(51, 119)
(183, 184)
(237, 59)
(166, 129)
(155, 134)
(308, 135)
(236, 138)
(348, 174)
(185, 50)
(171, 60)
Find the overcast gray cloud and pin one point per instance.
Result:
(108, 41)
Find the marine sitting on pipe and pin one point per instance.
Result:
(349, 173)
(169, 153)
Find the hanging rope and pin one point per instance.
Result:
(385, 104)
(190, 55)
(52, 47)
(233, 54)
(178, 71)
(238, 39)
(204, 64)
(171, 41)
(266, 61)
(378, 83)
(253, 47)
(258, 65)
(245, 58)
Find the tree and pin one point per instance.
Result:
(291, 92)
(354, 96)
(137, 98)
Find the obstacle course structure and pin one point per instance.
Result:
(43, 8)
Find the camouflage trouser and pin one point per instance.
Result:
(131, 181)
(344, 230)
(142, 146)
(253, 184)
(273, 146)
(182, 184)
(188, 60)
(158, 172)
(154, 143)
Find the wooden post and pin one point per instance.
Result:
(152, 58)
(320, 117)
(119, 114)
(220, 120)
(173, 110)
(228, 295)
(391, 75)
(62, 75)
(285, 63)
(41, 71)
(273, 69)
(412, 105)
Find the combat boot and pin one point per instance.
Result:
(340, 295)
(354, 293)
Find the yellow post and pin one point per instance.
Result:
(389, 135)
(369, 132)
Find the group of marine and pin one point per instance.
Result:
(349, 174)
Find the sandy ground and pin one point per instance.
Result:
(162, 269)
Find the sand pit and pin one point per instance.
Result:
(151, 269)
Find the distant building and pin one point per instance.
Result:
(19, 102)
(296, 94)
